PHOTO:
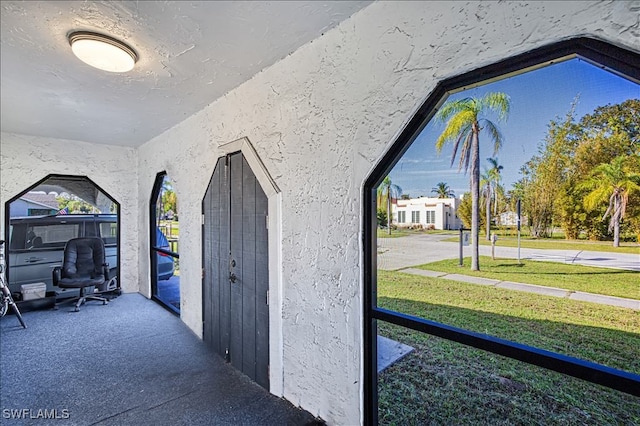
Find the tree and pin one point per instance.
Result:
(381, 215)
(545, 174)
(442, 190)
(75, 205)
(386, 191)
(463, 127)
(490, 181)
(619, 118)
(614, 181)
(552, 187)
(495, 171)
(169, 202)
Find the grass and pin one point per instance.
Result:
(554, 244)
(403, 232)
(171, 228)
(395, 233)
(442, 382)
(610, 282)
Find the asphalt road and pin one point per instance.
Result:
(412, 250)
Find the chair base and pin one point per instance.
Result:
(83, 298)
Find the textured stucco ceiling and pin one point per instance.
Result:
(191, 53)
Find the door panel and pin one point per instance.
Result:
(236, 274)
(262, 286)
(235, 251)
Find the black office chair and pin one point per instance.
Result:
(83, 267)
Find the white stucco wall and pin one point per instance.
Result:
(319, 120)
(24, 160)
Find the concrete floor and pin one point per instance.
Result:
(129, 362)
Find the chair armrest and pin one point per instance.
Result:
(57, 274)
(105, 271)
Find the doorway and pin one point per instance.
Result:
(236, 268)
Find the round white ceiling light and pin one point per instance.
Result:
(102, 52)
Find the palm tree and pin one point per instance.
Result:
(442, 190)
(486, 183)
(495, 170)
(613, 181)
(386, 191)
(463, 125)
(490, 182)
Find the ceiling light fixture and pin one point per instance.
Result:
(102, 52)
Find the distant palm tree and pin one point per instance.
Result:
(495, 170)
(463, 124)
(490, 181)
(442, 190)
(386, 191)
(613, 181)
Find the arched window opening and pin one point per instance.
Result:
(489, 269)
(165, 237)
(41, 219)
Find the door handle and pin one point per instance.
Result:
(34, 259)
(232, 276)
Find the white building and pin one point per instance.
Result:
(427, 213)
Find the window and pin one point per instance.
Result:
(165, 236)
(431, 216)
(402, 216)
(74, 196)
(40, 212)
(439, 317)
(108, 232)
(415, 217)
(55, 234)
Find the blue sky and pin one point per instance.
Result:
(537, 97)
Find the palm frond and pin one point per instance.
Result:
(497, 102)
(456, 125)
(464, 133)
(452, 108)
(597, 196)
(494, 134)
(465, 159)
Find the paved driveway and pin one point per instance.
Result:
(412, 250)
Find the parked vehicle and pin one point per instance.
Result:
(165, 262)
(36, 246)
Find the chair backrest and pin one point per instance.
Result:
(83, 257)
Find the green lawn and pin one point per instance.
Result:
(611, 282)
(554, 244)
(403, 232)
(447, 383)
(395, 233)
(171, 228)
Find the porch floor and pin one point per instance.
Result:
(129, 362)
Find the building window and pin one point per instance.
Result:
(431, 216)
(402, 216)
(436, 318)
(415, 217)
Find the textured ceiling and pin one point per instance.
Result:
(190, 53)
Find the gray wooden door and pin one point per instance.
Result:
(236, 268)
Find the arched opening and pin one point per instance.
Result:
(464, 333)
(42, 218)
(165, 238)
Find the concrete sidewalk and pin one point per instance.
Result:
(531, 288)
